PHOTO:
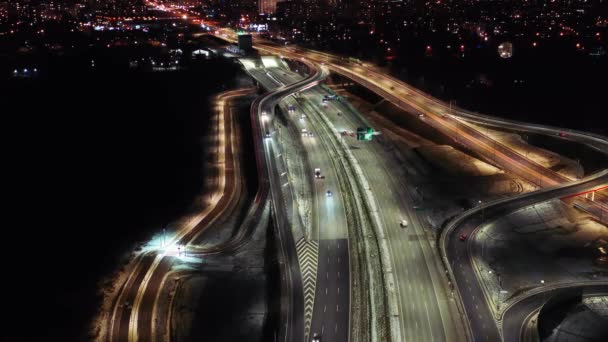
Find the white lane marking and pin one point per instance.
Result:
(338, 290)
(337, 308)
(326, 275)
(336, 328)
(326, 291)
(324, 308)
(322, 329)
(338, 260)
(428, 318)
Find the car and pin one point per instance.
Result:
(328, 193)
(267, 134)
(317, 173)
(421, 115)
(403, 223)
(392, 88)
(563, 134)
(316, 338)
(462, 237)
(310, 134)
(339, 113)
(302, 116)
(264, 113)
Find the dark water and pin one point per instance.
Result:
(95, 161)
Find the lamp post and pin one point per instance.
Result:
(482, 211)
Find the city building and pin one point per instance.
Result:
(267, 6)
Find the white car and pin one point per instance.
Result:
(316, 338)
(403, 223)
(329, 193)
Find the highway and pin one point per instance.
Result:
(423, 301)
(516, 315)
(329, 236)
(133, 316)
(426, 310)
(292, 301)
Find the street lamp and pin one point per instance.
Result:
(482, 211)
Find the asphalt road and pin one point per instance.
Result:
(458, 252)
(516, 315)
(131, 318)
(292, 297)
(332, 295)
(424, 304)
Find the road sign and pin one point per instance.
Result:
(365, 133)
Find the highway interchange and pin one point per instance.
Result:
(481, 319)
(369, 193)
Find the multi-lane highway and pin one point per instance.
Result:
(424, 306)
(328, 296)
(426, 310)
(267, 155)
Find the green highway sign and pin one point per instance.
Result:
(365, 133)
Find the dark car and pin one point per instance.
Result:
(462, 237)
